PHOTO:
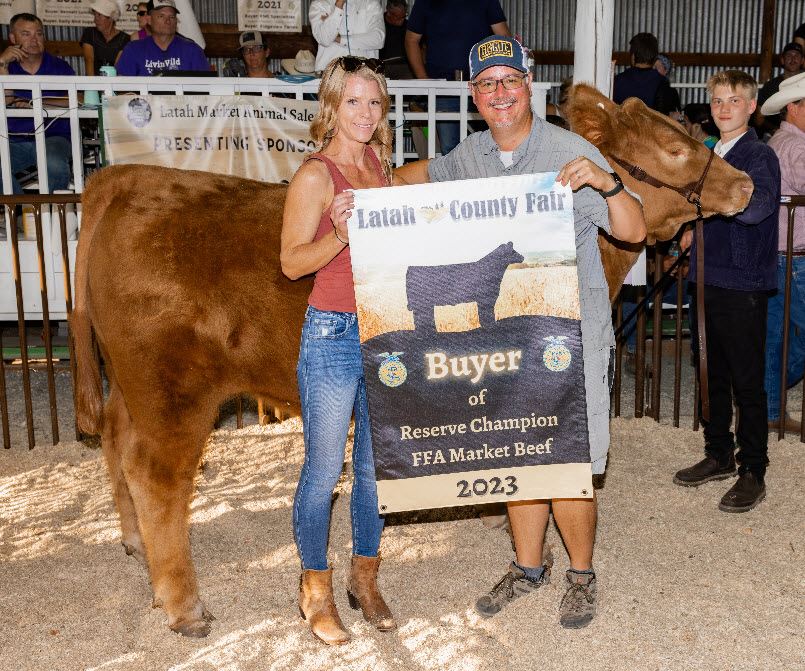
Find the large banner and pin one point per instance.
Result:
(275, 16)
(468, 311)
(9, 8)
(257, 137)
(77, 13)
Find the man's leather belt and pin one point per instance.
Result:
(796, 252)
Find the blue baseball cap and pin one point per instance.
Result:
(497, 50)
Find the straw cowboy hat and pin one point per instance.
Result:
(791, 90)
(303, 64)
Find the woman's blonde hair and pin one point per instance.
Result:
(331, 92)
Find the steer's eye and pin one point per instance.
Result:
(676, 151)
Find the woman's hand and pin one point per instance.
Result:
(340, 211)
(582, 171)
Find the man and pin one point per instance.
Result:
(344, 28)
(26, 55)
(449, 28)
(163, 50)
(789, 145)
(255, 53)
(739, 274)
(791, 59)
(799, 36)
(393, 52)
(641, 80)
(516, 143)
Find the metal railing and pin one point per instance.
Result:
(648, 374)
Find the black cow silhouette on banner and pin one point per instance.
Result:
(475, 282)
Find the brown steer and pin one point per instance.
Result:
(178, 276)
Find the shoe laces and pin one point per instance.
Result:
(576, 594)
(505, 583)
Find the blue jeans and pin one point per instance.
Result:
(58, 150)
(774, 334)
(332, 387)
(448, 131)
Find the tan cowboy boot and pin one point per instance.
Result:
(317, 607)
(363, 593)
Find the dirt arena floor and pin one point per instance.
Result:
(681, 585)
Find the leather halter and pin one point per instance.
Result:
(692, 193)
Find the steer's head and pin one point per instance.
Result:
(662, 148)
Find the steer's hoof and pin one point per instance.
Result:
(135, 550)
(192, 628)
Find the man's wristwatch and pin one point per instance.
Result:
(614, 191)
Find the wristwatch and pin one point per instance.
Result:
(614, 191)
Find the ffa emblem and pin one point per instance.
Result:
(392, 371)
(556, 356)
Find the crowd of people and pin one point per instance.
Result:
(743, 266)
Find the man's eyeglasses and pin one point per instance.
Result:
(252, 50)
(510, 83)
(142, 12)
(355, 63)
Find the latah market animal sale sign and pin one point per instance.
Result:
(468, 311)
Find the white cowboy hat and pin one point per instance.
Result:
(303, 64)
(791, 89)
(106, 8)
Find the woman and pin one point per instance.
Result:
(102, 44)
(143, 21)
(354, 141)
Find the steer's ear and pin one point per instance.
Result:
(590, 114)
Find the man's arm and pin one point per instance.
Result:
(325, 18)
(626, 221)
(412, 173)
(764, 172)
(414, 53)
(375, 34)
(501, 28)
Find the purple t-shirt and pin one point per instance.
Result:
(51, 65)
(144, 58)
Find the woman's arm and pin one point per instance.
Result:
(309, 194)
(89, 59)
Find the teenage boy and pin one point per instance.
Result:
(740, 257)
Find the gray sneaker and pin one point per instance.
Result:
(511, 586)
(578, 604)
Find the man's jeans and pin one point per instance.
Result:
(331, 387)
(58, 150)
(774, 334)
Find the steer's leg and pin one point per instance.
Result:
(116, 432)
(160, 466)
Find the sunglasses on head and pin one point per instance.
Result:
(355, 63)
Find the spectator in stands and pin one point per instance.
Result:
(393, 52)
(26, 55)
(344, 28)
(103, 44)
(143, 21)
(664, 65)
(699, 123)
(739, 273)
(799, 36)
(255, 52)
(640, 80)
(163, 50)
(449, 28)
(789, 145)
(791, 59)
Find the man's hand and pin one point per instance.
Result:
(686, 240)
(583, 172)
(340, 3)
(10, 54)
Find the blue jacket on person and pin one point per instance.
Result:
(740, 252)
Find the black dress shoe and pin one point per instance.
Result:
(744, 495)
(707, 469)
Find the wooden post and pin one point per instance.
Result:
(767, 41)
